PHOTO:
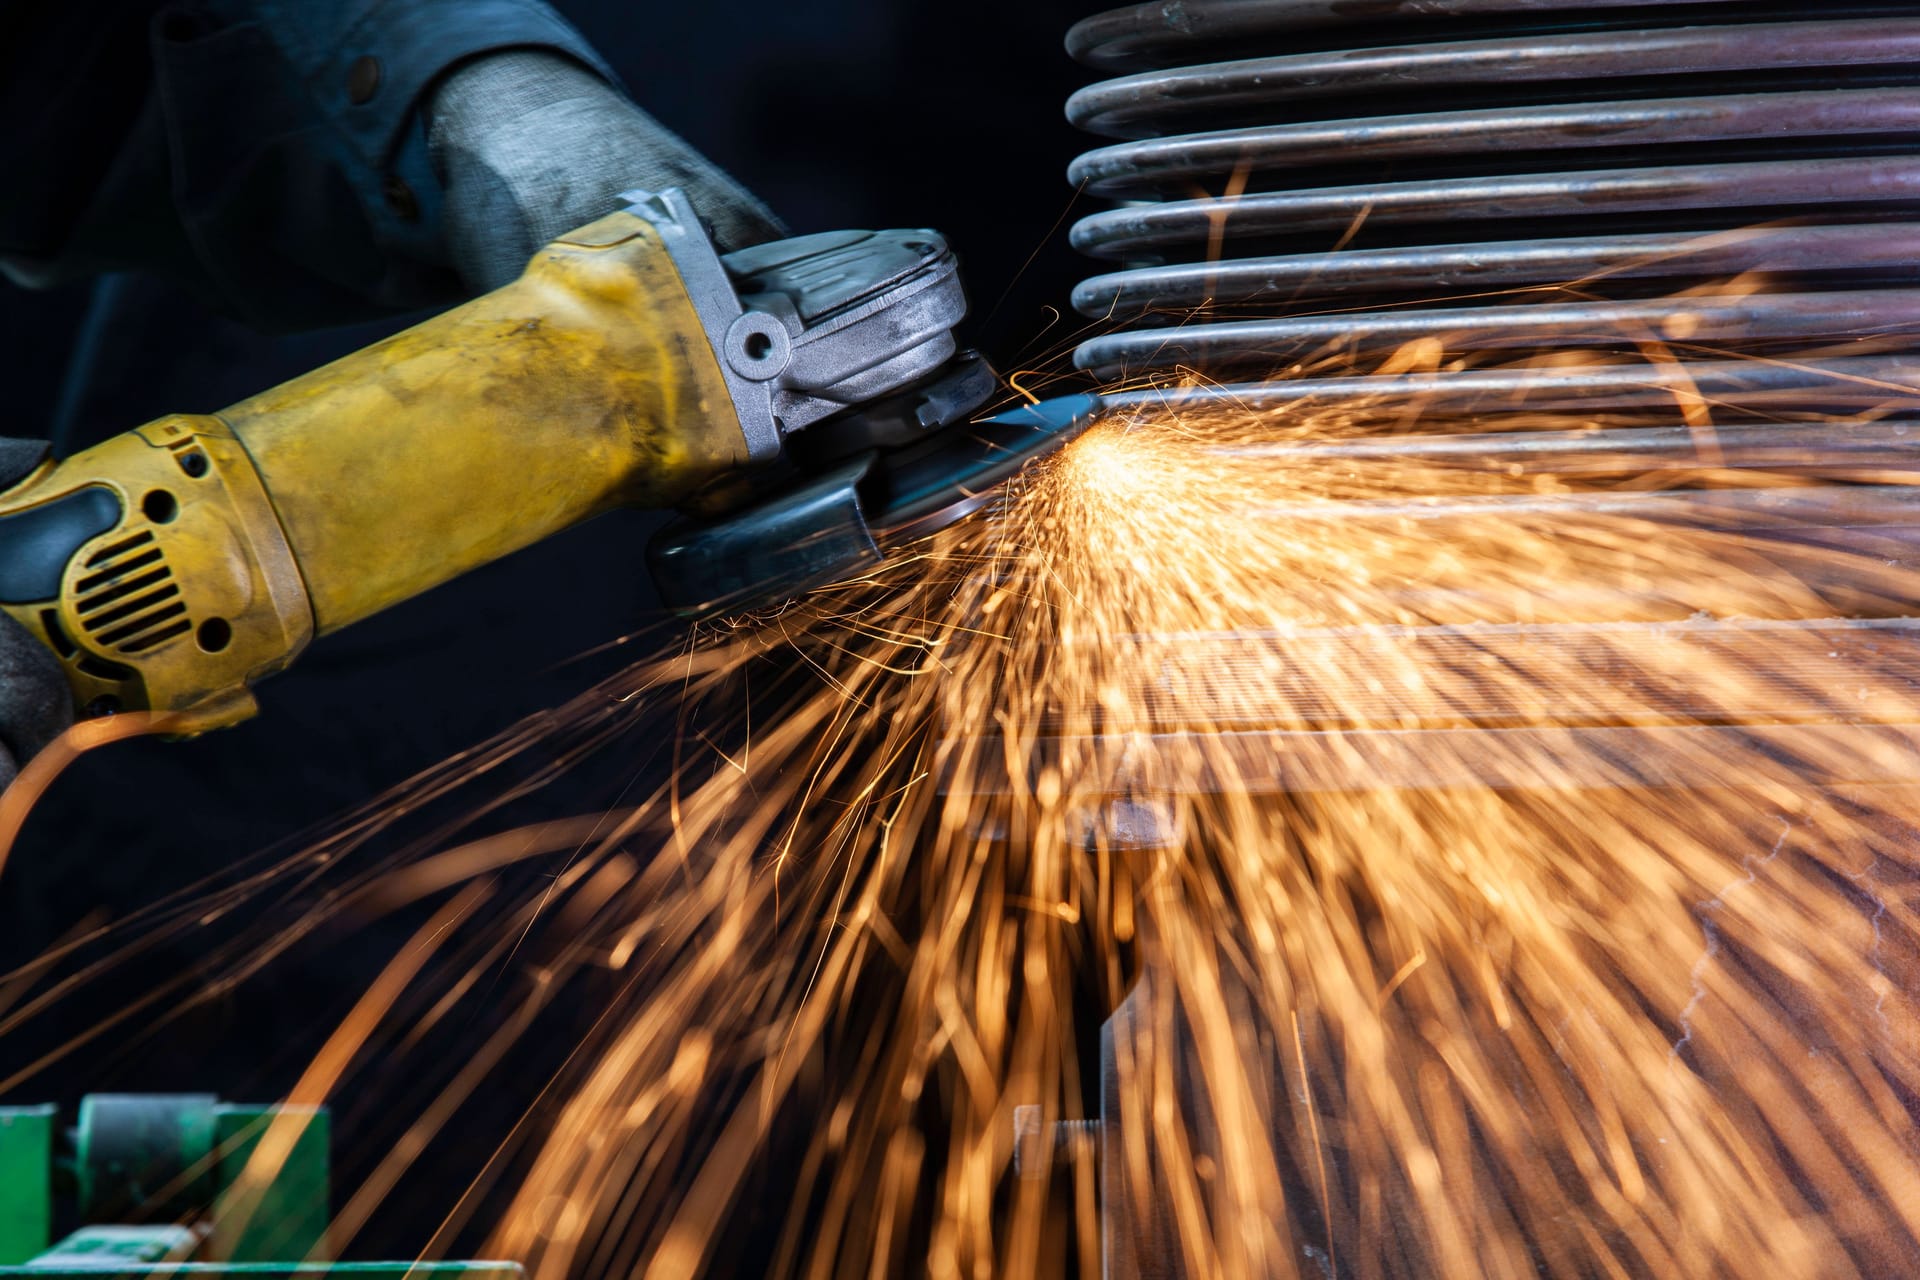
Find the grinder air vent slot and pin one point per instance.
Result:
(106, 596)
(117, 574)
(129, 637)
(120, 548)
(150, 639)
(130, 602)
(133, 608)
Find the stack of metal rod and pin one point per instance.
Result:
(1660, 260)
(1307, 174)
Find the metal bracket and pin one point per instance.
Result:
(806, 328)
(714, 301)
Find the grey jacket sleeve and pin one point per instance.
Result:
(270, 153)
(529, 146)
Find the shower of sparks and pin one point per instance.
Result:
(1498, 858)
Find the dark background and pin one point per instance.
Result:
(865, 113)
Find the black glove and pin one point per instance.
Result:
(35, 704)
(531, 145)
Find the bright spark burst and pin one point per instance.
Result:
(1497, 853)
(1216, 708)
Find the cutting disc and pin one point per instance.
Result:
(843, 515)
(914, 491)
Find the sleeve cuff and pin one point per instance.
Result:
(367, 63)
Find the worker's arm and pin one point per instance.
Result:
(529, 144)
(304, 163)
(35, 703)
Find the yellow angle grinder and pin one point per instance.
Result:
(804, 403)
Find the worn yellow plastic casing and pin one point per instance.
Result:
(587, 384)
(190, 597)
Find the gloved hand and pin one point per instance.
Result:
(530, 145)
(35, 705)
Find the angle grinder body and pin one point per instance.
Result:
(173, 567)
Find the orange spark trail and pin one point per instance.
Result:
(1419, 917)
(1490, 848)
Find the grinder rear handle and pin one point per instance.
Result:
(172, 567)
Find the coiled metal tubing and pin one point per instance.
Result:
(1723, 194)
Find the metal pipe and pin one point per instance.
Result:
(1302, 173)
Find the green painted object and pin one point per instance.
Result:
(252, 1182)
(93, 1249)
(287, 1217)
(145, 1153)
(26, 1181)
(275, 1271)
